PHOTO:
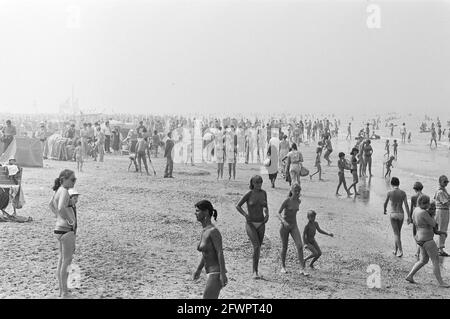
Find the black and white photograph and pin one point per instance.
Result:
(224, 149)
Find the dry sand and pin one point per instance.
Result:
(137, 238)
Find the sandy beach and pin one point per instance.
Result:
(138, 234)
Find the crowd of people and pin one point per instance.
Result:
(276, 144)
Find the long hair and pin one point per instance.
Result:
(206, 205)
(65, 174)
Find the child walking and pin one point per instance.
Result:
(389, 165)
(395, 145)
(309, 234)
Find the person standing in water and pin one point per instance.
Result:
(389, 165)
(210, 246)
(386, 148)
(397, 198)
(362, 165)
(65, 227)
(403, 133)
(354, 169)
(289, 226)
(395, 147)
(317, 164)
(342, 165)
(329, 148)
(425, 226)
(433, 137)
(442, 200)
(368, 151)
(256, 217)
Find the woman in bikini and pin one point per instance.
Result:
(425, 226)
(65, 226)
(397, 198)
(257, 217)
(289, 226)
(212, 253)
(295, 160)
(354, 169)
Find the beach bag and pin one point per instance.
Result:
(304, 171)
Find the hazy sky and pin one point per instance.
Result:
(209, 56)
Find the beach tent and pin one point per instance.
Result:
(27, 152)
(58, 148)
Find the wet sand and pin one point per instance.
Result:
(137, 235)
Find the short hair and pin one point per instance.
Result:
(395, 181)
(294, 146)
(311, 213)
(442, 179)
(418, 186)
(341, 154)
(423, 200)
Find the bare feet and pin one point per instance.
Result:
(67, 295)
(410, 280)
(283, 270)
(255, 276)
(401, 254)
(337, 194)
(444, 285)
